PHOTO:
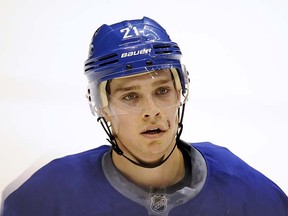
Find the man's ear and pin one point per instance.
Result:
(106, 113)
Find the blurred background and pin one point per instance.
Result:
(236, 53)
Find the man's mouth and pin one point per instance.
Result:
(152, 131)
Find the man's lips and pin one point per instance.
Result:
(154, 130)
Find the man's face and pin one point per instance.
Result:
(142, 110)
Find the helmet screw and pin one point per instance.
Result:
(128, 66)
(148, 62)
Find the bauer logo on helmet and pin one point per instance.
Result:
(137, 52)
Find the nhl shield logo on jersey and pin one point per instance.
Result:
(158, 203)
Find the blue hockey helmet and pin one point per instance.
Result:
(128, 48)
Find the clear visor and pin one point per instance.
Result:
(147, 93)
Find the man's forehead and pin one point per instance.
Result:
(148, 77)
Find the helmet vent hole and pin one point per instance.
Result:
(162, 49)
(163, 52)
(107, 63)
(161, 46)
(108, 59)
(103, 58)
(166, 49)
(102, 61)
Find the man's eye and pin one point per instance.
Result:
(130, 96)
(162, 91)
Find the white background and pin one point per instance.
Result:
(235, 51)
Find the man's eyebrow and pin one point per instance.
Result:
(125, 89)
(162, 81)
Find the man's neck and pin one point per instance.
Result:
(165, 175)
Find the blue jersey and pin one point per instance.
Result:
(88, 184)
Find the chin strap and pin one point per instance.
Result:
(111, 139)
(116, 148)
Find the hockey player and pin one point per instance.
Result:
(138, 89)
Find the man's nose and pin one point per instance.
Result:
(151, 108)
